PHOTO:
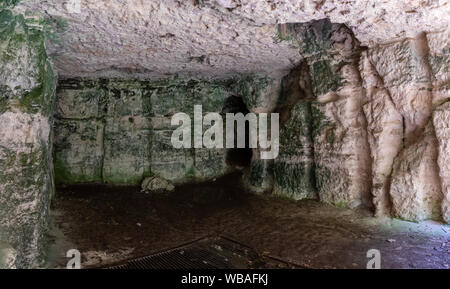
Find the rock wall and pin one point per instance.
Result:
(441, 121)
(332, 122)
(118, 132)
(293, 169)
(27, 85)
(359, 126)
(409, 77)
(365, 126)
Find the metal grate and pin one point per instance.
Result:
(191, 258)
(206, 253)
(202, 254)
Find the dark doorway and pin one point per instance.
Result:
(239, 158)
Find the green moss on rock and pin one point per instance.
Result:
(293, 169)
(250, 88)
(259, 178)
(319, 120)
(27, 86)
(312, 37)
(132, 149)
(295, 180)
(25, 62)
(325, 77)
(8, 3)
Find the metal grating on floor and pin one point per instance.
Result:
(206, 253)
(189, 258)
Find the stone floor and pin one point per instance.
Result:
(110, 225)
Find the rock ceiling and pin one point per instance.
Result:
(213, 38)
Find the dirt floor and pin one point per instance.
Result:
(110, 225)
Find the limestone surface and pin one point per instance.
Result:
(214, 37)
(27, 89)
(7, 256)
(119, 132)
(385, 134)
(378, 122)
(441, 122)
(156, 185)
(362, 88)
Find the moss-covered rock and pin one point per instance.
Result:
(27, 78)
(27, 86)
(26, 184)
(311, 37)
(137, 127)
(294, 168)
(324, 77)
(259, 176)
(338, 167)
(78, 151)
(127, 141)
(8, 3)
(256, 91)
(7, 256)
(173, 164)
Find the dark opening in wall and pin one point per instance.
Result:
(238, 157)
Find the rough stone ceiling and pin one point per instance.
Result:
(214, 38)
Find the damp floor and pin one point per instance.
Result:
(112, 225)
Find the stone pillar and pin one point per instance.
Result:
(27, 85)
(293, 169)
(342, 168)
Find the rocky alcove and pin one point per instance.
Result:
(87, 94)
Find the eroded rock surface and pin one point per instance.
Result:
(441, 122)
(27, 86)
(384, 132)
(378, 122)
(413, 80)
(214, 37)
(336, 119)
(7, 256)
(415, 189)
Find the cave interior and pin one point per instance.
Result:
(88, 93)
